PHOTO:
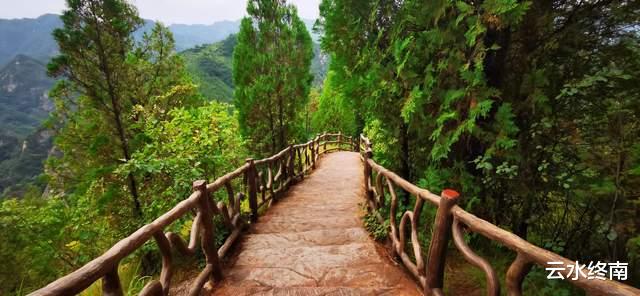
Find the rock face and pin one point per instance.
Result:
(312, 242)
(24, 102)
(24, 105)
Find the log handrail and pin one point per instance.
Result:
(450, 222)
(291, 165)
(265, 180)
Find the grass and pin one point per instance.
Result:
(131, 280)
(461, 278)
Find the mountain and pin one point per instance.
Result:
(24, 85)
(189, 36)
(210, 68)
(24, 105)
(32, 37)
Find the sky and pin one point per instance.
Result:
(167, 11)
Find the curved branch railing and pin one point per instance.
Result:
(451, 220)
(264, 181)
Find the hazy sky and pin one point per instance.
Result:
(167, 11)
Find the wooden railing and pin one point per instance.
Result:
(262, 181)
(452, 221)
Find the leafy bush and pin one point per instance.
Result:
(376, 229)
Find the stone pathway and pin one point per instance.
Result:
(312, 242)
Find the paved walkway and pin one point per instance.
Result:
(312, 242)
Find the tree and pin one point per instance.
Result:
(334, 113)
(106, 76)
(94, 43)
(199, 143)
(271, 75)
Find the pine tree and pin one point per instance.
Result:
(271, 75)
(106, 76)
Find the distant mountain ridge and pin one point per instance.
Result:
(32, 36)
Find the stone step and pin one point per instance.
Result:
(288, 227)
(323, 237)
(351, 212)
(355, 276)
(312, 242)
(307, 291)
(321, 207)
(337, 221)
(306, 259)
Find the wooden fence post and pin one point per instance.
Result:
(207, 232)
(111, 283)
(353, 144)
(313, 153)
(292, 163)
(324, 136)
(317, 148)
(368, 154)
(440, 240)
(252, 190)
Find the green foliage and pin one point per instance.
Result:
(384, 143)
(31, 248)
(130, 279)
(199, 143)
(378, 230)
(526, 107)
(334, 113)
(98, 127)
(268, 98)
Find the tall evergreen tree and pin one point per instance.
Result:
(106, 76)
(271, 73)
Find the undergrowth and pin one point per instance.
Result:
(377, 230)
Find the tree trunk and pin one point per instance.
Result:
(117, 117)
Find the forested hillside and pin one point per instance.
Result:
(24, 105)
(26, 47)
(210, 67)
